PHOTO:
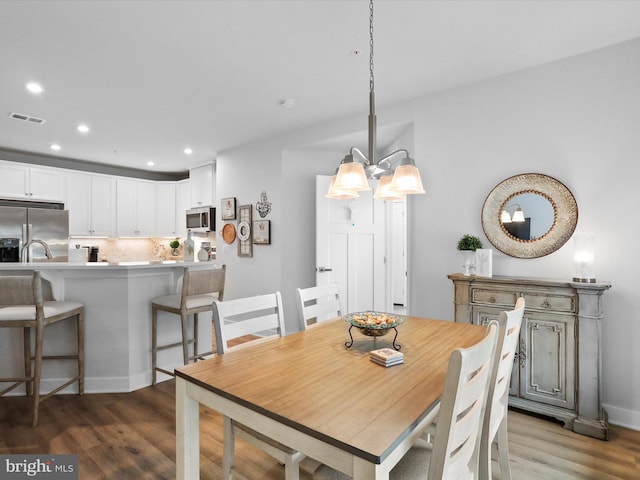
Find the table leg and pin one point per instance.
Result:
(187, 434)
(363, 470)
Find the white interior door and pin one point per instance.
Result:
(350, 248)
(398, 253)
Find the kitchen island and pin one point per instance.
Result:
(117, 299)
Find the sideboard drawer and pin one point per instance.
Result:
(493, 297)
(552, 303)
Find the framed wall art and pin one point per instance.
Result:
(228, 208)
(262, 232)
(484, 262)
(243, 232)
(229, 233)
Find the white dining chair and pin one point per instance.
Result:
(198, 291)
(317, 304)
(238, 324)
(456, 449)
(494, 428)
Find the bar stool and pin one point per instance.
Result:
(28, 304)
(199, 289)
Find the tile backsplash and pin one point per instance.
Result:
(138, 249)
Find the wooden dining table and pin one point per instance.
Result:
(310, 392)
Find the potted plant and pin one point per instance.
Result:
(468, 244)
(174, 245)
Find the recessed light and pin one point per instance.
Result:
(150, 163)
(288, 102)
(83, 128)
(55, 146)
(34, 87)
(188, 151)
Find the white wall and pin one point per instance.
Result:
(576, 120)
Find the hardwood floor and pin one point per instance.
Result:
(132, 436)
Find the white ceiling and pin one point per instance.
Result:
(153, 77)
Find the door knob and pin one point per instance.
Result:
(324, 269)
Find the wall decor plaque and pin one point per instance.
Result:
(228, 208)
(229, 233)
(245, 240)
(264, 205)
(262, 232)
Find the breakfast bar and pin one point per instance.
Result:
(117, 299)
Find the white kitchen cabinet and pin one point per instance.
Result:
(91, 202)
(31, 183)
(202, 185)
(135, 208)
(183, 203)
(165, 209)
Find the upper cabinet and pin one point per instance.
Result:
(165, 207)
(135, 208)
(31, 183)
(91, 202)
(202, 185)
(183, 203)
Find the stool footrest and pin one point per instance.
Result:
(18, 381)
(64, 385)
(171, 345)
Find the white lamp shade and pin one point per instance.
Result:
(406, 180)
(583, 257)
(383, 192)
(340, 194)
(518, 215)
(351, 177)
(505, 217)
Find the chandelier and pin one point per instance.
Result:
(396, 178)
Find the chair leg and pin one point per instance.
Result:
(185, 338)
(228, 452)
(80, 350)
(37, 371)
(503, 450)
(195, 336)
(26, 351)
(154, 343)
(292, 466)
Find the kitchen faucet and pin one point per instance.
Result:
(47, 250)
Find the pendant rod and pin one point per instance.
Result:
(372, 100)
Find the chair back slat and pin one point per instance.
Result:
(18, 289)
(463, 402)
(259, 315)
(508, 335)
(202, 282)
(494, 427)
(316, 304)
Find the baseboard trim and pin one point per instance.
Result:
(623, 417)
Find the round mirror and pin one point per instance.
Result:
(529, 215)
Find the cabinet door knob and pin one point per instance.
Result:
(492, 299)
(545, 304)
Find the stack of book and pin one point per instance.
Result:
(386, 357)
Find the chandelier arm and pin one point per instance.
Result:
(362, 155)
(387, 158)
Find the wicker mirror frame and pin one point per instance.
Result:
(564, 206)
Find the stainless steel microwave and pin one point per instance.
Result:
(202, 219)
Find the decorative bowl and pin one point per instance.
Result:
(374, 324)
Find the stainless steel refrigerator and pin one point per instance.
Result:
(27, 221)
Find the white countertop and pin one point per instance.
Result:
(101, 265)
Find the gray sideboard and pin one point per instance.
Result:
(557, 369)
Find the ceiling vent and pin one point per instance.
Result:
(27, 118)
